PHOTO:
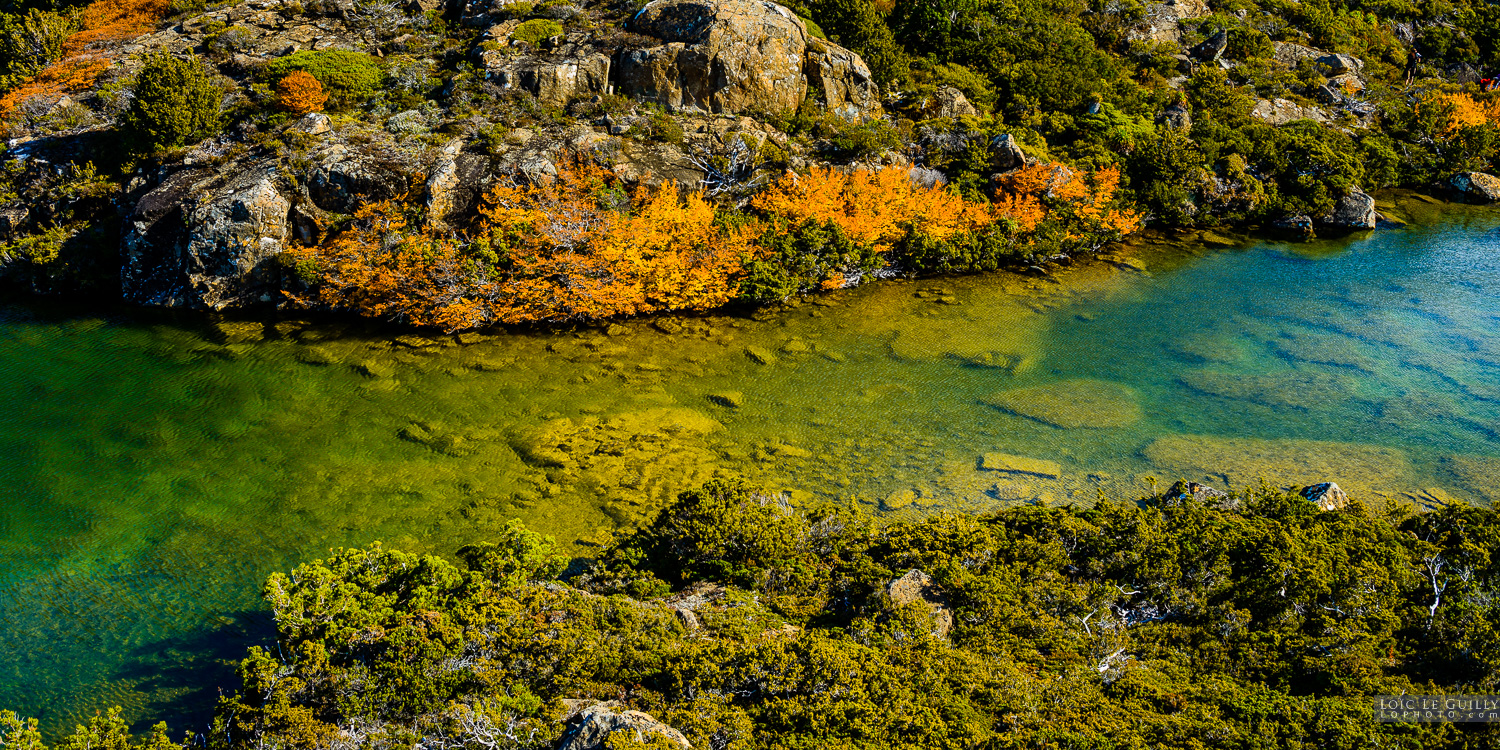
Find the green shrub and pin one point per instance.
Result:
(989, 249)
(349, 78)
(29, 43)
(177, 101)
(813, 30)
(801, 259)
(537, 29)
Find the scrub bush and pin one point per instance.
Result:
(349, 78)
(177, 101)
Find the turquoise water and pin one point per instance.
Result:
(153, 472)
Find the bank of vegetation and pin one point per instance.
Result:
(1099, 118)
(1252, 621)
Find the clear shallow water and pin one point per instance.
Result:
(152, 474)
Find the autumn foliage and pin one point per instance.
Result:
(1464, 111)
(578, 246)
(299, 93)
(102, 25)
(575, 247)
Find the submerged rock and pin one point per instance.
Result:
(760, 355)
(1245, 461)
(1291, 390)
(1020, 465)
(731, 399)
(1073, 404)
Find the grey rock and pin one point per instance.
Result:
(1288, 53)
(342, 181)
(1297, 224)
(1477, 186)
(1199, 492)
(1326, 495)
(1355, 210)
(1339, 63)
(590, 727)
(1160, 22)
(1282, 111)
(313, 123)
(1210, 49)
(454, 188)
(198, 242)
(733, 56)
(1005, 154)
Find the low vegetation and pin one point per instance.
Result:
(1257, 621)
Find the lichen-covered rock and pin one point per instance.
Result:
(1160, 21)
(948, 101)
(1283, 111)
(843, 80)
(590, 728)
(1300, 225)
(719, 56)
(1211, 49)
(1005, 154)
(1355, 210)
(1326, 495)
(553, 80)
(917, 587)
(199, 242)
(731, 56)
(456, 183)
(1201, 493)
(1477, 185)
(342, 181)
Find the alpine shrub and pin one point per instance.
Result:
(349, 78)
(177, 101)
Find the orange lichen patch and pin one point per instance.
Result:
(102, 24)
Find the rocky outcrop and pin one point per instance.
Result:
(1326, 495)
(1356, 210)
(1289, 53)
(197, 241)
(948, 101)
(554, 80)
(457, 180)
(590, 727)
(842, 80)
(1176, 116)
(731, 56)
(341, 181)
(1477, 186)
(1160, 21)
(917, 587)
(1283, 111)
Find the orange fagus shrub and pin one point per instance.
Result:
(1079, 206)
(299, 93)
(1460, 111)
(574, 248)
(876, 208)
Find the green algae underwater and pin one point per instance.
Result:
(153, 473)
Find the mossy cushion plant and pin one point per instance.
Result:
(537, 29)
(349, 78)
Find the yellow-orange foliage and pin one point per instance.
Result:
(299, 93)
(86, 55)
(572, 259)
(873, 208)
(548, 252)
(1465, 112)
(1039, 191)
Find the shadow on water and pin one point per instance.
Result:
(186, 674)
